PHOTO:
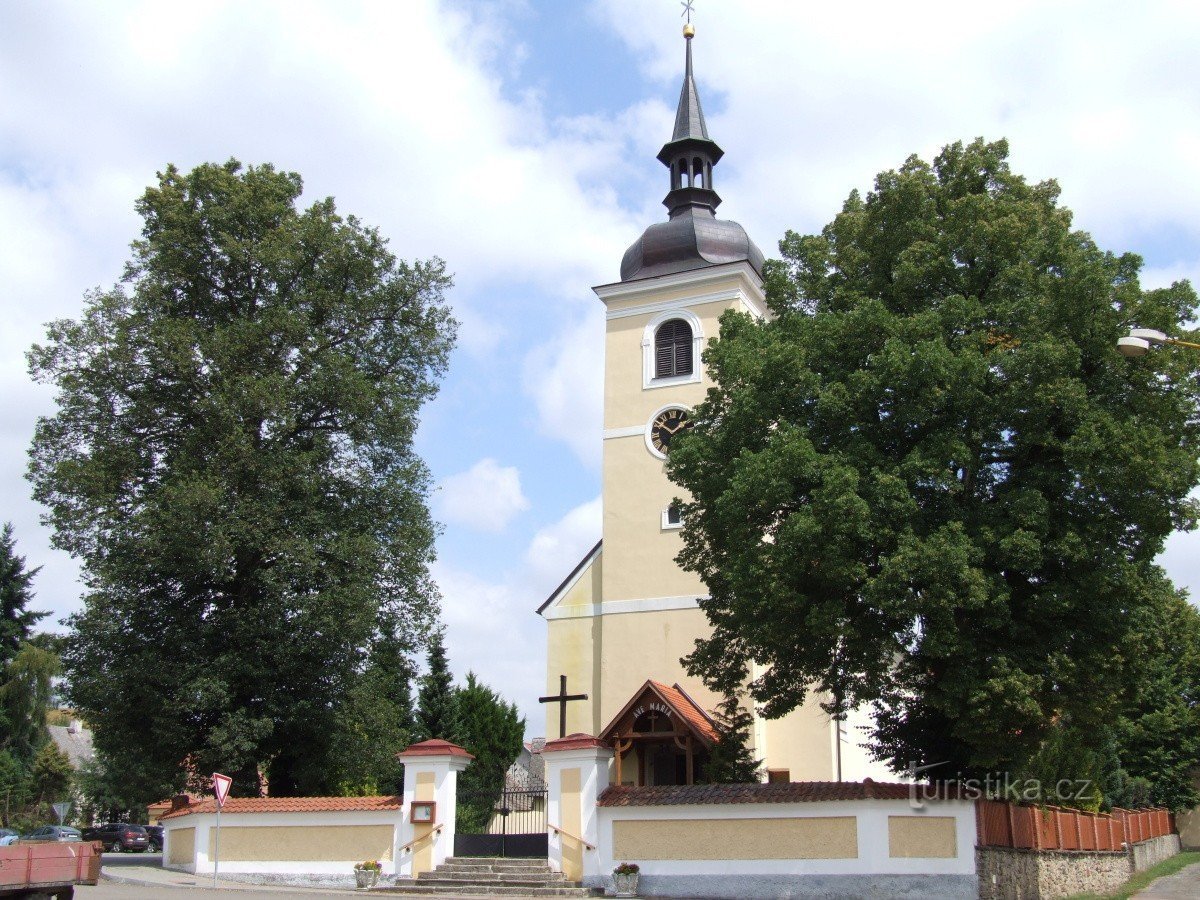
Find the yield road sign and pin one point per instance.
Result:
(221, 785)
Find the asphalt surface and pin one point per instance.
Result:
(1183, 885)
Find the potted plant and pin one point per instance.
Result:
(366, 873)
(626, 877)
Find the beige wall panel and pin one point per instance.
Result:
(571, 810)
(182, 851)
(925, 837)
(422, 846)
(573, 650)
(825, 837)
(637, 646)
(303, 843)
(802, 743)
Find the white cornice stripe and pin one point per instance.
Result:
(677, 279)
(627, 431)
(678, 303)
(614, 607)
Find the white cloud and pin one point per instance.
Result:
(486, 497)
(555, 551)
(565, 379)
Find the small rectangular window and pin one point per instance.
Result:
(672, 517)
(779, 776)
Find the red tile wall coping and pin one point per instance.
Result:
(792, 792)
(435, 747)
(577, 741)
(236, 805)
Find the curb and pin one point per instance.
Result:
(206, 884)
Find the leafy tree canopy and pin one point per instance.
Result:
(929, 480)
(232, 462)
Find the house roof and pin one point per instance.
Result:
(677, 699)
(793, 792)
(236, 805)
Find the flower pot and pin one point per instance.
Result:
(626, 885)
(365, 878)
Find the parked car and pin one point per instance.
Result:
(118, 836)
(8, 836)
(53, 833)
(155, 833)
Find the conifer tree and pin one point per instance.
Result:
(436, 708)
(492, 730)
(16, 619)
(731, 761)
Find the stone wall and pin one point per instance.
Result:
(1008, 874)
(1149, 853)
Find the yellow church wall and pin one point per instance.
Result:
(801, 742)
(637, 646)
(573, 650)
(639, 554)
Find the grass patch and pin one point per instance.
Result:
(1141, 880)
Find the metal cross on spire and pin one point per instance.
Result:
(687, 10)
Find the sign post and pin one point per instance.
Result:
(221, 785)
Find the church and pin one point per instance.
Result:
(619, 623)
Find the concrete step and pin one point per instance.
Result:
(430, 888)
(493, 877)
(498, 862)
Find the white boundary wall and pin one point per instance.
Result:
(872, 832)
(321, 822)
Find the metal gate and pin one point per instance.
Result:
(513, 824)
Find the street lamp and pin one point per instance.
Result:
(1139, 340)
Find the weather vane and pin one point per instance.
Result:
(687, 10)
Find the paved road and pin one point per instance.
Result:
(1183, 885)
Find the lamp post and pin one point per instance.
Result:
(1138, 341)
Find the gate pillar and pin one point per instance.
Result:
(430, 776)
(577, 768)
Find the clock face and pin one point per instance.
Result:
(665, 426)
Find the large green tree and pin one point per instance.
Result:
(929, 480)
(232, 461)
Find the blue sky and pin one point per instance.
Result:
(517, 141)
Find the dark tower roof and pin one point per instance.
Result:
(692, 237)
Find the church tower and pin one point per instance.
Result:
(620, 622)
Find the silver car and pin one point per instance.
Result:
(53, 833)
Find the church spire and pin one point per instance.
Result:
(689, 117)
(691, 153)
(692, 237)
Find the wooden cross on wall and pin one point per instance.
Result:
(562, 698)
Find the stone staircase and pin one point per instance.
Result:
(490, 876)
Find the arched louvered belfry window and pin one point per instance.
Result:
(673, 349)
